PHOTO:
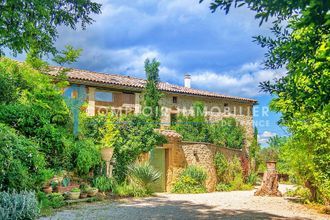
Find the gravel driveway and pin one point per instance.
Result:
(218, 205)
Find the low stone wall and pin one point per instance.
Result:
(200, 154)
(180, 154)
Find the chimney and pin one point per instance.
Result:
(187, 81)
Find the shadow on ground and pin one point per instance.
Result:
(160, 208)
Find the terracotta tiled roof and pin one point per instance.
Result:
(170, 134)
(120, 80)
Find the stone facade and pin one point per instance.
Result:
(215, 109)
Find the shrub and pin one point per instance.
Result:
(36, 109)
(193, 128)
(234, 169)
(137, 136)
(222, 187)
(87, 156)
(56, 200)
(22, 165)
(252, 178)
(221, 166)
(238, 183)
(125, 189)
(14, 205)
(230, 174)
(143, 175)
(134, 134)
(49, 202)
(227, 133)
(300, 192)
(191, 180)
(104, 184)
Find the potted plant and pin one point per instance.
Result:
(83, 194)
(84, 188)
(110, 135)
(92, 191)
(74, 194)
(47, 189)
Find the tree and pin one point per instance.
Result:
(152, 94)
(301, 31)
(26, 25)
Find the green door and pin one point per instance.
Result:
(157, 160)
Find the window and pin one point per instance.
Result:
(173, 119)
(103, 96)
(175, 99)
(226, 105)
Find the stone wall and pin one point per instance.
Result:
(183, 154)
(202, 155)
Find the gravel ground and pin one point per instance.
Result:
(218, 205)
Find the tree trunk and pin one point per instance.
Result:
(269, 186)
(312, 189)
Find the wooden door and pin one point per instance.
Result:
(157, 160)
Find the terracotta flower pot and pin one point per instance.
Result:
(106, 153)
(83, 195)
(92, 192)
(74, 195)
(48, 189)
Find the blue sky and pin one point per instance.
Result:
(216, 49)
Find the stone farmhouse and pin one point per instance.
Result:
(123, 94)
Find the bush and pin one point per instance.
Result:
(134, 135)
(227, 133)
(87, 156)
(234, 169)
(238, 183)
(192, 128)
(14, 205)
(54, 200)
(191, 180)
(22, 165)
(35, 108)
(230, 174)
(125, 189)
(104, 184)
(224, 133)
(300, 192)
(143, 175)
(252, 178)
(222, 187)
(137, 135)
(221, 166)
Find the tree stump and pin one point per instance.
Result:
(269, 186)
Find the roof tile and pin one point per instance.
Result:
(121, 80)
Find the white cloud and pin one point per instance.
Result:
(242, 82)
(128, 61)
(263, 138)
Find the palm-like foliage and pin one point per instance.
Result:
(143, 174)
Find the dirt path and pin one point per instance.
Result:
(218, 205)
